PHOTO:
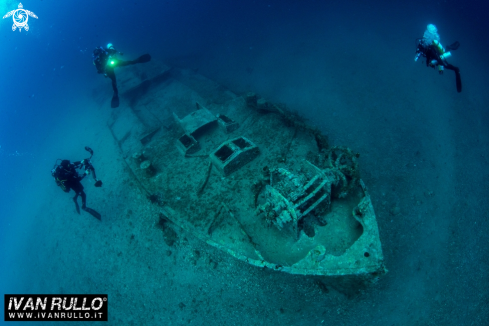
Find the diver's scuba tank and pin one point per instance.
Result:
(62, 172)
(445, 55)
(441, 50)
(438, 45)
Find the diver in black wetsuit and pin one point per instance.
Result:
(429, 46)
(67, 178)
(105, 61)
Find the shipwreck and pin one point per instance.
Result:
(247, 176)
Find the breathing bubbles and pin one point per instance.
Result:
(3, 153)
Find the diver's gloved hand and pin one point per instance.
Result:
(98, 183)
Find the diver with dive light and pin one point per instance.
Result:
(106, 60)
(67, 177)
(436, 55)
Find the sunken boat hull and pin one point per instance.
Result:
(247, 176)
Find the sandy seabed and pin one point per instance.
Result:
(423, 157)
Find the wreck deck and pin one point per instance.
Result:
(208, 156)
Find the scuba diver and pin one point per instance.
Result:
(429, 46)
(67, 178)
(105, 61)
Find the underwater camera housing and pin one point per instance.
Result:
(88, 149)
(87, 164)
(61, 169)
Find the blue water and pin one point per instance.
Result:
(345, 65)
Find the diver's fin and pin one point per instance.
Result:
(458, 80)
(144, 58)
(453, 47)
(115, 102)
(93, 213)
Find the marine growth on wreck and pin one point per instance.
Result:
(249, 177)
